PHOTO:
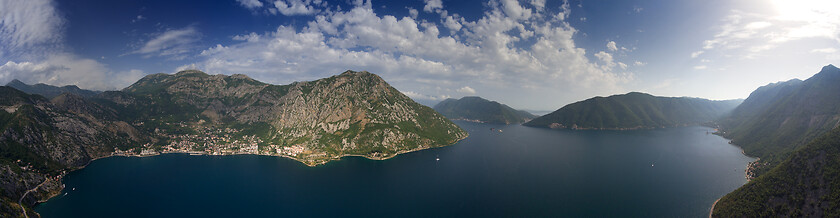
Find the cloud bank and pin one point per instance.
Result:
(527, 48)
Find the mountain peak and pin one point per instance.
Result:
(829, 67)
(191, 73)
(15, 82)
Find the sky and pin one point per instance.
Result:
(530, 54)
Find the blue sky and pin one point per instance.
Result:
(530, 54)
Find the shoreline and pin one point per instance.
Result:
(202, 153)
(712, 210)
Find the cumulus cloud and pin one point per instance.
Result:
(250, 4)
(173, 43)
(432, 5)
(413, 13)
(611, 46)
(296, 7)
(508, 52)
(467, 90)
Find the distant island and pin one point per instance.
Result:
(477, 109)
(352, 114)
(634, 110)
(792, 127)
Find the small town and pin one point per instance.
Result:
(212, 141)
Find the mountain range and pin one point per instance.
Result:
(49, 91)
(354, 113)
(793, 128)
(474, 108)
(777, 118)
(634, 110)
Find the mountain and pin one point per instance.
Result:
(634, 110)
(42, 139)
(777, 118)
(48, 90)
(482, 110)
(804, 185)
(354, 113)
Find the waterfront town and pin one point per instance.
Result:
(212, 141)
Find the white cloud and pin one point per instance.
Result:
(467, 90)
(67, 69)
(413, 55)
(700, 67)
(29, 28)
(751, 34)
(413, 13)
(696, 54)
(432, 5)
(622, 65)
(171, 43)
(252, 37)
(607, 58)
(639, 63)
(32, 48)
(452, 23)
(415, 95)
(250, 4)
(539, 4)
(138, 19)
(514, 10)
(296, 7)
(611, 46)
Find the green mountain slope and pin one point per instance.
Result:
(483, 110)
(634, 110)
(807, 184)
(779, 117)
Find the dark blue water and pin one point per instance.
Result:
(522, 172)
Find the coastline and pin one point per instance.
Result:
(712, 210)
(309, 164)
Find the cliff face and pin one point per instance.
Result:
(355, 113)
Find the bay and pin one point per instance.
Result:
(520, 171)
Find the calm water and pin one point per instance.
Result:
(521, 172)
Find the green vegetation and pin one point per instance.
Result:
(476, 108)
(778, 118)
(634, 110)
(807, 184)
